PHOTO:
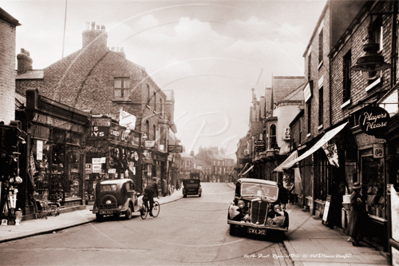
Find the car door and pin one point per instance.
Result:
(132, 194)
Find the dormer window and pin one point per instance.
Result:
(122, 86)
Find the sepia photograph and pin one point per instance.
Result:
(267, 131)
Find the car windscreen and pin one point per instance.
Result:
(261, 190)
(191, 181)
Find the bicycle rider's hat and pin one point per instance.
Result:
(357, 185)
(154, 178)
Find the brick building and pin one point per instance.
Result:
(8, 25)
(101, 80)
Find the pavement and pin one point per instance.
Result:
(308, 241)
(65, 220)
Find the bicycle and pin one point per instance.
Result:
(155, 210)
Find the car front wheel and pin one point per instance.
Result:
(129, 213)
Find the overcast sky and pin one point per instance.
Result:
(211, 53)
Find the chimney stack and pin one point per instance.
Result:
(95, 36)
(24, 61)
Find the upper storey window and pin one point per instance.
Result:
(122, 86)
(321, 46)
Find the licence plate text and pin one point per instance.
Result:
(257, 231)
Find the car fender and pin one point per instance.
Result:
(126, 205)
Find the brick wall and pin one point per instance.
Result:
(318, 72)
(354, 42)
(85, 80)
(7, 72)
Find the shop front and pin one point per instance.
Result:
(55, 152)
(374, 160)
(111, 153)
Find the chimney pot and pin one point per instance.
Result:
(98, 27)
(87, 25)
(103, 27)
(122, 50)
(93, 25)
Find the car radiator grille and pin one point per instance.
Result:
(258, 212)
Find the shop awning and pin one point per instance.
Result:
(329, 135)
(249, 169)
(290, 158)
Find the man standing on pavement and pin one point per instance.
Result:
(150, 192)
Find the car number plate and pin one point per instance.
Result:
(257, 231)
(106, 212)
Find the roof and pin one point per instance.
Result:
(7, 17)
(185, 155)
(296, 95)
(201, 162)
(254, 180)
(20, 100)
(283, 86)
(31, 74)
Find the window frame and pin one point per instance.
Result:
(346, 76)
(124, 89)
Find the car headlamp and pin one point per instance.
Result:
(241, 204)
(108, 202)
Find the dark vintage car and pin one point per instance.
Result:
(115, 197)
(191, 187)
(255, 208)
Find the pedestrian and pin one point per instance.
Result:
(282, 196)
(358, 215)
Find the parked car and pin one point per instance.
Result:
(255, 208)
(115, 197)
(191, 187)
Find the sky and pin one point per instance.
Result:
(210, 53)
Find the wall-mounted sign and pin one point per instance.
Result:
(101, 122)
(374, 120)
(99, 132)
(378, 150)
(39, 150)
(149, 143)
(96, 168)
(88, 168)
(307, 92)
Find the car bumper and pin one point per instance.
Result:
(257, 226)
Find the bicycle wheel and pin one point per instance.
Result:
(156, 209)
(143, 211)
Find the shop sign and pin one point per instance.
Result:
(101, 122)
(175, 148)
(112, 171)
(374, 120)
(61, 124)
(364, 140)
(99, 132)
(378, 151)
(96, 160)
(149, 143)
(39, 150)
(88, 168)
(96, 168)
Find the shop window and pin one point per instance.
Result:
(155, 131)
(122, 86)
(372, 170)
(321, 173)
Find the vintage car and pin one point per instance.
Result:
(255, 208)
(191, 187)
(115, 197)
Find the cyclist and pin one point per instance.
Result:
(150, 192)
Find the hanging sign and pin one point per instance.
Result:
(374, 120)
(378, 150)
